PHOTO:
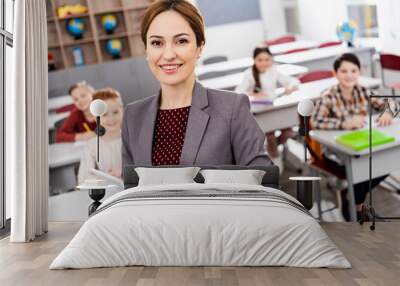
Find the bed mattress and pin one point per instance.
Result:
(201, 225)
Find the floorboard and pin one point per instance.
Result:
(374, 255)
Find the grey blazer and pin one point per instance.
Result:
(220, 131)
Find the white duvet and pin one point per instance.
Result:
(192, 231)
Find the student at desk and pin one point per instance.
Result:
(110, 153)
(79, 124)
(345, 106)
(260, 81)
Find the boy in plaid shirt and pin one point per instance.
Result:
(345, 107)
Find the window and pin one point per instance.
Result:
(232, 11)
(9, 12)
(291, 16)
(6, 43)
(364, 13)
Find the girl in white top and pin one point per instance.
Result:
(260, 81)
(110, 143)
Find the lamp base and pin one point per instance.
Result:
(96, 195)
(305, 193)
(305, 190)
(370, 211)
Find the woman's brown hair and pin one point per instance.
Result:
(189, 12)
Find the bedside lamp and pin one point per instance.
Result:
(96, 187)
(305, 108)
(305, 184)
(98, 107)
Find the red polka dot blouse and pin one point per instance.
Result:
(169, 136)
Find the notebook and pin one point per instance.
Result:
(108, 178)
(359, 140)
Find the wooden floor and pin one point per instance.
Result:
(375, 257)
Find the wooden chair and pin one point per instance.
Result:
(295, 51)
(321, 168)
(281, 40)
(390, 62)
(215, 59)
(315, 75)
(329, 44)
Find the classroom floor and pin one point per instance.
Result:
(375, 258)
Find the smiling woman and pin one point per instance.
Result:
(186, 124)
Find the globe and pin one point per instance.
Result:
(346, 31)
(114, 48)
(109, 23)
(75, 27)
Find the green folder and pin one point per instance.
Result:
(359, 140)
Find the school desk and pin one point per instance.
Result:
(232, 80)
(357, 163)
(323, 58)
(63, 159)
(241, 64)
(59, 101)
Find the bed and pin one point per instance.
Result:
(201, 224)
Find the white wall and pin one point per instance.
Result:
(238, 40)
(319, 18)
(389, 25)
(273, 15)
(233, 40)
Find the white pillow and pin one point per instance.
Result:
(163, 176)
(248, 177)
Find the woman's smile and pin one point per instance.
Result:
(170, 68)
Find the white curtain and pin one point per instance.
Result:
(26, 123)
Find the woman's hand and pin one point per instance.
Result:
(385, 119)
(355, 122)
(84, 136)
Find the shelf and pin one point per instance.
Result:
(120, 28)
(52, 37)
(106, 6)
(79, 42)
(49, 10)
(133, 18)
(113, 36)
(89, 57)
(137, 46)
(73, 17)
(136, 33)
(53, 45)
(137, 7)
(57, 58)
(125, 50)
(68, 39)
(110, 11)
(94, 38)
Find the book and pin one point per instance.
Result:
(262, 101)
(359, 140)
(108, 177)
